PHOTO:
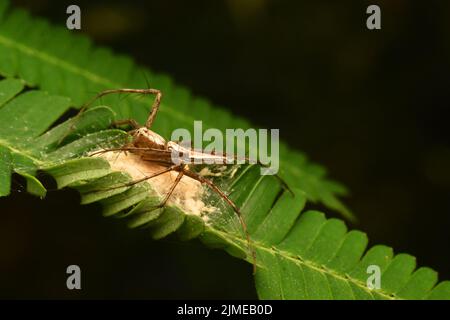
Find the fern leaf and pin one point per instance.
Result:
(61, 63)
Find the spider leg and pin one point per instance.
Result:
(130, 122)
(222, 194)
(149, 121)
(155, 105)
(172, 188)
(145, 178)
(130, 148)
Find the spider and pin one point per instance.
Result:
(152, 147)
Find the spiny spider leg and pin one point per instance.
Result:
(130, 122)
(153, 175)
(149, 122)
(172, 188)
(155, 105)
(216, 189)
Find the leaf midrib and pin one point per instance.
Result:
(298, 260)
(22, 152)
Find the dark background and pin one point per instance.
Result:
(371, 106)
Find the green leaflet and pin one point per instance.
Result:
(34, 186)
(300, 255)
(9, 88)
(62, 63)
(5, 171)
(34, 121)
